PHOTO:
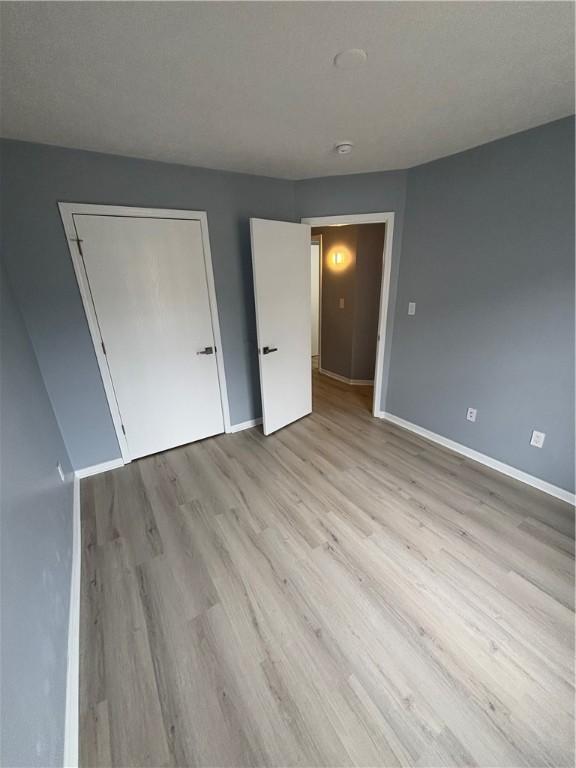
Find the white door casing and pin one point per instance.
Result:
(147, 286)
(315, 295)
(281, 267)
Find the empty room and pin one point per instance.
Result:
(287, 425)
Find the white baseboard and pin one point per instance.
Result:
(97, 469)
(482, 458)
(245, 425)
(354, 382)
(73, 672)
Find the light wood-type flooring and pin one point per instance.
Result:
(340, 593)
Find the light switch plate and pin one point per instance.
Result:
(341, 304)
(411, 307)
(471, 414)
(537, 439)
(60, 472)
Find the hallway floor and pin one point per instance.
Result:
(340, 593)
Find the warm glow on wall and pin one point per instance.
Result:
(338, 258)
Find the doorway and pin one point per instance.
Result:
(315, 298)
(353, 297)
(145, 277)
(345, 286)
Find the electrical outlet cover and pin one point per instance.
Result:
(471, 414)
(537, 439)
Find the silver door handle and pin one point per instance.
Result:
(206, 351)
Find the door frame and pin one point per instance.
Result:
(67, 213)
(386, 218)
(318, 239)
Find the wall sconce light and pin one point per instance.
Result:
(338, 258)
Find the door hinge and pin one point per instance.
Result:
(123, 429)
(78, 242)
(103, 347)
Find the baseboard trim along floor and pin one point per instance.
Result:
(353, 382)
(482, 458)
(245, 425)
(97, 469)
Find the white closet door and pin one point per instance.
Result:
(281, 265)
(148, 283)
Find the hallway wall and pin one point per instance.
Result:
(367, 288)
(349, 332)
(337, 327)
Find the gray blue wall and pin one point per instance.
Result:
(488, 257)
(36, 178)
(36, 543)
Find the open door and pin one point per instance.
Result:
(281, 265)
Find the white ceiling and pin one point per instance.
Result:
(251, 86)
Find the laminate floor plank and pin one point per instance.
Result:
(340, 593)
(95, 742)
(137, 732)
(91, 667)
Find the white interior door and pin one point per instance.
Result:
(149, 288)
(281, 265)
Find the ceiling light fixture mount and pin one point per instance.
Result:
(344, 147)
(353, 58)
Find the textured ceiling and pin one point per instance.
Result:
(251, 86)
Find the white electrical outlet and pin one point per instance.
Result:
(537, 439)
(471, 414)
(60, 472)
(341, 303)
(411, 307)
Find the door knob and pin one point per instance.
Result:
(267, 350)
(206, 351)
